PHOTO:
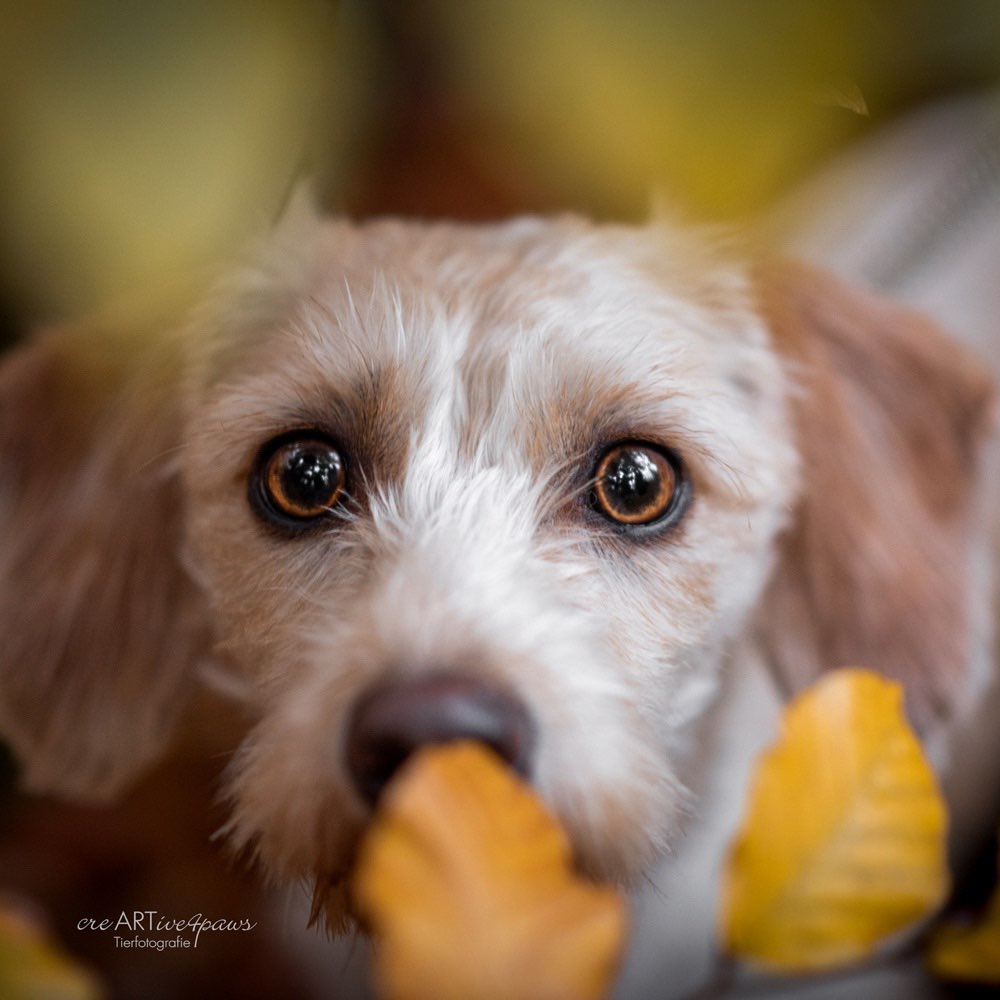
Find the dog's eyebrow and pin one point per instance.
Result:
(369, 413)
(583, 409)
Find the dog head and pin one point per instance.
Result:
(531, 483)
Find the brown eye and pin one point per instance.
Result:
(637, 484)
(298, 479)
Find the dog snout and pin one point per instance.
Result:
(393, 720)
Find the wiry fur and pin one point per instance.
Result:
(472, 375)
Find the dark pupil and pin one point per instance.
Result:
(632, 482)
(311, 477)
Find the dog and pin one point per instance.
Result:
(544, 484)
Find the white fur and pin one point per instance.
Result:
(476, 557)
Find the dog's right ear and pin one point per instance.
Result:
(895, 426)
(99, 625)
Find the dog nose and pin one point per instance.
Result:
(393, 720)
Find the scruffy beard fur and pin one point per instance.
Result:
(472, 377)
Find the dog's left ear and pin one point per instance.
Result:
(100, 627)
(892, 418)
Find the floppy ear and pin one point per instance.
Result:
(98, 623)
(892, 418)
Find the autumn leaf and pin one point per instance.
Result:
(843, 842)
(466, 881)
(33, 968)
(969, 952)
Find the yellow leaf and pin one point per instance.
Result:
(843, 843)
(466, 881)
(959, 952)
(33, 968)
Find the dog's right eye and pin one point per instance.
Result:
(638, 484)
(297, 479)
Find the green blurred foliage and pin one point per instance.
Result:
(141, 143)
(33, 967)
(718, 105)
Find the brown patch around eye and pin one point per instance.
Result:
(300, 478)
(636, 484)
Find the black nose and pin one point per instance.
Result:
(393, 720)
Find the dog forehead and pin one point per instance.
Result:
(579, 329)
(563, 276)
(532, 275)
(553, 334)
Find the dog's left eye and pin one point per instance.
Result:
(298, 479)
(638, 484)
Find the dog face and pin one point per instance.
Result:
(548, 466)
(471, 383)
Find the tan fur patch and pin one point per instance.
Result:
(890, 416)
(98, 625)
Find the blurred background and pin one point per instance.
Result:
(140, 144)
